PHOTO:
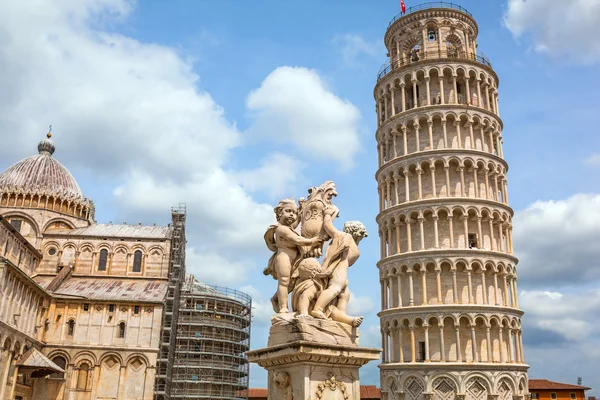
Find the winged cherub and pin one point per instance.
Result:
(283, 240)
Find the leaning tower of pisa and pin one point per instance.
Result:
(450, 319)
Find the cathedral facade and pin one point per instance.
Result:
(86, 309)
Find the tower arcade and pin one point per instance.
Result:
(450, 318)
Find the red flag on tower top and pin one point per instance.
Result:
(402, 6)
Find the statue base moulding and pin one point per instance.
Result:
(310, 365)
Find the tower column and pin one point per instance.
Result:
(501, 340)
(484, 286)
(415, 97)
(436, 235)
(468, 88)
(430, 125)
(458, 347)
(398, 237)
(396, 187)
(394, 144)
(451, 228)
(442, 347)
(419, 182)
(409, 234)
(426, 328)
(488, 338)
(445, 131)
(399, 283)
(385, 108)
(413, 354)
(422, 232)
(417, 135)
(474, 344)
(403, 90)
(406, 186)
(411, 290)
(424, 284)
(438, 279)
(433, 189)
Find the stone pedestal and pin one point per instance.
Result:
(318, 361)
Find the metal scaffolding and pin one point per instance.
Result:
(166, 356)
(213, 335)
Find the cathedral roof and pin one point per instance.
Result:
(121, 231)
(109, 288)
(41, 173)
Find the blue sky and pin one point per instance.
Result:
(229, 106)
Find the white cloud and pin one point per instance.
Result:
(294, 107)
(262, 310)
(556, 241)
(360, 306)
(223, 216)
(566, 314)
(132, 112)
(277, 175)
(352, 47)
(593, 160)
(370, 336)
(216, 270)
(558, 27)
(117, 100)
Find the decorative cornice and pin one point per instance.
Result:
(422, 256)
(441, 202)
(446, 310)
(432, 110)
(308, 352)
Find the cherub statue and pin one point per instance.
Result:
(307, 289)
(285, 242)
(307, 286)
(341, 254)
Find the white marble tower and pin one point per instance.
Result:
(450, 319)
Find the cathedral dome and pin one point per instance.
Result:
(41, 173)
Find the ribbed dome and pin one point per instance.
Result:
(41, 173)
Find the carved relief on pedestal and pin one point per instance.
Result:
(282, 382)
(331, 389)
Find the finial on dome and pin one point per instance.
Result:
(46, 146)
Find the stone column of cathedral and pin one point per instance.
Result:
(450, 320)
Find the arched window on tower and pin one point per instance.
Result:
(414, 53)
(71, 328)
(431, 36)
(103, 259)
(137, 261)
(122, 330)
(451, 49)
(453, 45)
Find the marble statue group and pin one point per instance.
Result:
(319, 289)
